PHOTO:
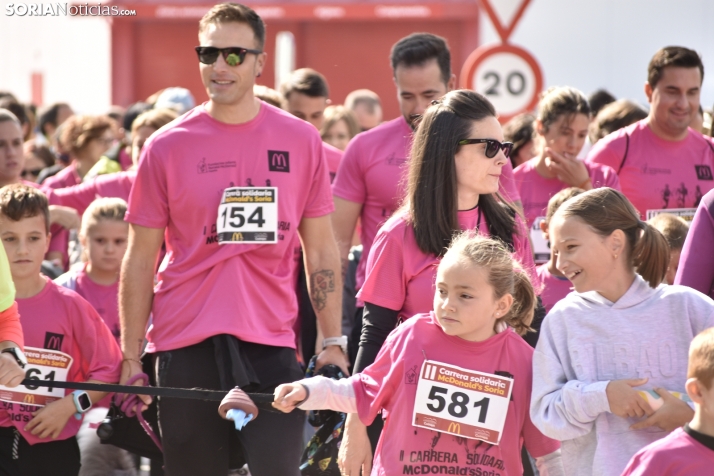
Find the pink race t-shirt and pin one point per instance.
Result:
(125, 160)
(59, 319)
(554, 288)
(390, 383)
(535, 190)
(66, 177)
(334, 157)
(655, 173)
(81, 196)
(373, 173)
(677, 454)
(400, 276)
(205, 289)
(696, 263)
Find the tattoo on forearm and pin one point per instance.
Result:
(321, 283)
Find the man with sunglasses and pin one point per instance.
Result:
(230, 184)
(368, 182)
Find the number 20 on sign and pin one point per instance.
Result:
(462, 402)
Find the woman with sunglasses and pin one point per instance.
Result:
(456, 163)
(561, 128)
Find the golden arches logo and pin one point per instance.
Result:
(454, 428)
(237, 236)
(29, 398)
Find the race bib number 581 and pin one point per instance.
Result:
(462, 402)
(248, 215)
(42, 365)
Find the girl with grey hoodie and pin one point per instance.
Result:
(621, 331)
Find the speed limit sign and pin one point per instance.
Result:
(506, 75)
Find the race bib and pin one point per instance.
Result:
(541, 251)
(248, 215)
(462, 402)
(686, 213)
(42, 365)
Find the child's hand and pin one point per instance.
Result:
(48, 422)
(10, 372)
(625, 401)
(287, 396)
(672, 414)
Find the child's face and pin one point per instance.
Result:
(26, 242)
(583, 256)
(464, 303)
(106, 243)
(673, 266)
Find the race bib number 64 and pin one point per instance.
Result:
(248, 215)
(462, 402)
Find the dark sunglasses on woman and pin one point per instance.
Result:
(492, 146)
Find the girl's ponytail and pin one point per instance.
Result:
(650, 254)
(520, 315)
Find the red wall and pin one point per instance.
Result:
(149, 54)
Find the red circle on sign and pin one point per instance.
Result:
(480, 54)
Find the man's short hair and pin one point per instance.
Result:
(677, 56)
(672, 227)
(235, 12)
(18, 201)
(701, 358)
(365, 97)
(418, 48)
(599, 99)
(49, 115)
(305, 81)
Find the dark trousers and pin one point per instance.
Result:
(198, 441)
(19, 458)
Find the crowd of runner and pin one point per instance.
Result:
(466, 297)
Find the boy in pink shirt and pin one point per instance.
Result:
(687, 451)
(660, 162)
(38, 424)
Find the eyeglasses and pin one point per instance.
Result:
(34, 172)
(492, 146)
(232, 55)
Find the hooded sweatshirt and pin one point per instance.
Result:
(586, 341)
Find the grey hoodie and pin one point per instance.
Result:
(585, 342)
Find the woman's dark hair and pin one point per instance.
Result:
(431, 198)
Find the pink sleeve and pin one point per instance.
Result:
(60, 242)
(77, 196)
(349, 183)
(642, 464)
(524, 254)
(319, 201)
(148, 201)
(375, 385)
(385, 284)
(609, 151)
(507, 185)
(696, 263)
(97, 346)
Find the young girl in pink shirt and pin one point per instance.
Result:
(103, 236)
(455, 382)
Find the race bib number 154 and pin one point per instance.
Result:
(248, 215)
(462, 402)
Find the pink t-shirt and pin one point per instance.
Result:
(535, 190)
(66, 177)
(390, 383)
(205, 289)
(554, 288)
(81, 196)
(677, 454)
(104, 299)
(400, 276)
(125, 160)
(373, 173)
(657, 173)
(696, 263)
(333, 156)
(73, 327)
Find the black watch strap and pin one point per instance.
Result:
(18, 355)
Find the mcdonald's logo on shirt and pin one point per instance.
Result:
(278, 161)
(53, 341)
(237, 236)
(454, 428)
(29, 398)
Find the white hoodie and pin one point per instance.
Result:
(585, 342)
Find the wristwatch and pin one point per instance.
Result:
(82, 403)
(341, 341)
(18, 354)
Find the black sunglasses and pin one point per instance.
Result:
(492, 146)
(233, 55)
